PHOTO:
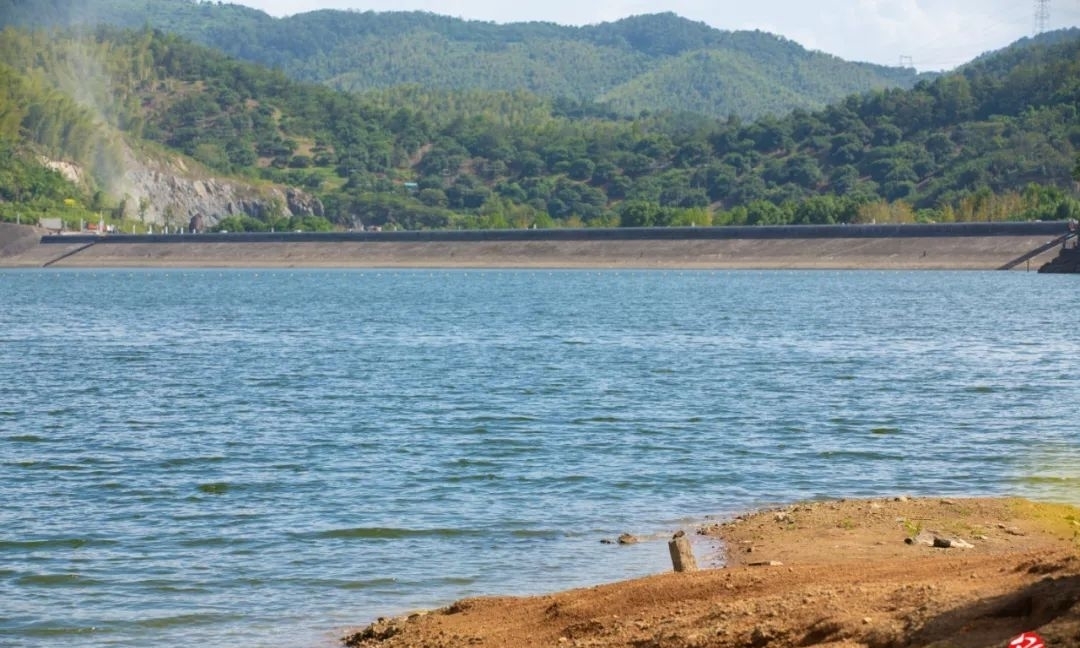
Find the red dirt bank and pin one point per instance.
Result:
(836, 574)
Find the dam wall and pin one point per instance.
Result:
(944, 246)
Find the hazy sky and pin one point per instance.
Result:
(935, 34)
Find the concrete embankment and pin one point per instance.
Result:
(20, 242)
(962, 246)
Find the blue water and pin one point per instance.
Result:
(267, 458)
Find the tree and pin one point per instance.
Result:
(843, 179)
(762, 212)
(845, 149)
(939, 145)
(582, 169)
(716, 179)
(638, 213)
(433, 197)
(887, 135)
(818, 210)
(803, 170)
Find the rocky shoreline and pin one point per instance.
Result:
(840, 573)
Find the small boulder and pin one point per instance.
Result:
(951, 543)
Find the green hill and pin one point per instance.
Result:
(632, 61)
(706, 79)
(997, 139)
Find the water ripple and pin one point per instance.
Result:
(256, 458)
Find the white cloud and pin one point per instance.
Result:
(936, 34)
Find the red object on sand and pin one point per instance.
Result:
(1028, 640)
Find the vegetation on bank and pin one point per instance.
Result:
(996, 140)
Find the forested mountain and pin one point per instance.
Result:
(633, 64)
(998, 139)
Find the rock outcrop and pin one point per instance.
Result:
(166, 192)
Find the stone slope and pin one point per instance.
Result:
(968, 253)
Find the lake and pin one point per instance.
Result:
(271, 457)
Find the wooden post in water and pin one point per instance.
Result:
(682, 555)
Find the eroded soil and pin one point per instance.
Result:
(844, 573)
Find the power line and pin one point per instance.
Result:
(1042, 15)
(987, 33)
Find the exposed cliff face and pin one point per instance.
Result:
(72, 172)
(167, 192)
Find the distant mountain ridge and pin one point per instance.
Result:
(995, 140)
(658, 62)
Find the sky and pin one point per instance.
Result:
(928, 34)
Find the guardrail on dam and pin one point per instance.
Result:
(1049, 228)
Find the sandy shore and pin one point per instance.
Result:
(947, 253)
(837, 574)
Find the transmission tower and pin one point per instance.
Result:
(1042, 15)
